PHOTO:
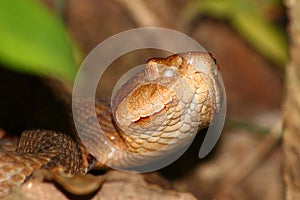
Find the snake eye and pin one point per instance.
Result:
(215, 61)
(213, 58)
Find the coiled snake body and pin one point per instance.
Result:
(156, 112)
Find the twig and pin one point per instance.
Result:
(140, 13)
(247, 166)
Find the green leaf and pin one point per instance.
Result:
(265, 37)
(33, 40)
(247, 18)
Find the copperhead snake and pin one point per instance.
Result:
(156, 112)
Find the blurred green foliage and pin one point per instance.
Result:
(249, 18)
(33, 40)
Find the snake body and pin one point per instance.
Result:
(155, 112)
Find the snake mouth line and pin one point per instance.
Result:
(147, 119)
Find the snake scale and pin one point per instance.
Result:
(156, 111)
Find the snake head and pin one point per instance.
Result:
(168, 102)
(156, 113)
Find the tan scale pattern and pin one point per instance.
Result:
(157, 111)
